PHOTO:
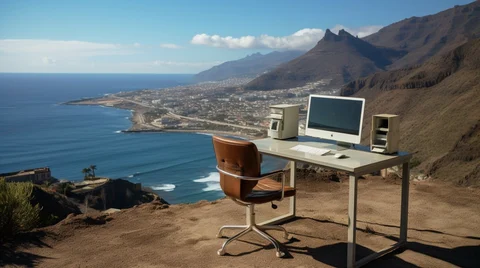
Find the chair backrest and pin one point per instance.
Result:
(240, 158)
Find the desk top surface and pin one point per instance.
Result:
(358, 161)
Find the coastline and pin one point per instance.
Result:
(140, 124)
(212, 132)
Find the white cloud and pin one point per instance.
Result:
(49, 61)
(303, 39)
(60, 47)
(170, 46)
(40, 55)
(360, 31)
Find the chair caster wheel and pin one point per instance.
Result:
(288, 237)
(221, 252)
(280, 254)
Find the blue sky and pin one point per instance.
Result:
(178, 36)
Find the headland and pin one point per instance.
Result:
(214, 107)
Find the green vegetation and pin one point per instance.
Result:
(64, 188)
(89, 172)
(154, 114)
(92, 168)
(86, 172)
(17, 214)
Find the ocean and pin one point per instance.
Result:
(36, 130)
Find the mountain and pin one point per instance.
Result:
(406, 43)
(424, 37)
(251, 65)
(341, 57)
(439, 105)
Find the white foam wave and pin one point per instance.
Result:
(164, 187)
(212, 180)
(126, 117)
(212, 187)
(118, 131)
(212, 177)
(130, 176)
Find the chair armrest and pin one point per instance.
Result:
(275, 172)
(247, 178)
(262, 176)
(271, 173)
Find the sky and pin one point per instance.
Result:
(181, 36)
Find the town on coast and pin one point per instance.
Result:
(221, 107)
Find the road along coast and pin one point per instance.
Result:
(149, 118)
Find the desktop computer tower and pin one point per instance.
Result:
(283, 121)
(385, 133)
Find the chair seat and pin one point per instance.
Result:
(268, 190)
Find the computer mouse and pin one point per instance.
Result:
(339, 155)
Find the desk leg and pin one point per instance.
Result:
(292, 204)
(352, 221)
(293, 176)
(404, 208)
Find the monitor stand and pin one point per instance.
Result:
(343, 145)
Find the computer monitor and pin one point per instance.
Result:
(335, 118)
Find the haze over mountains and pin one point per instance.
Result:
(343, 58)
(251, 65)
(439, 105)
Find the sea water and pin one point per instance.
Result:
(36, 130)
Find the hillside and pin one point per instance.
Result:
(439, 106)
(157, 235)
(424, 37)
(252, 65)
(401, 44)
(341, 58)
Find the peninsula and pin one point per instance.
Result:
(222, 107)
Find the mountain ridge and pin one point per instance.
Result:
(339, 57)
(251, 65)
(401, 44)
(427, 36)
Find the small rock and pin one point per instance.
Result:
(111, 211)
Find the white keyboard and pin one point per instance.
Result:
(310, 150)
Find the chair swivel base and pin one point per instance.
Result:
(258, 229)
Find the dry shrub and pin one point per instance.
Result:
(17, 214)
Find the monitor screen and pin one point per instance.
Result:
(335, 118)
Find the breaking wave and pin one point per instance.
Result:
(212, 180)
(164, 187)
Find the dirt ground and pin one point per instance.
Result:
(444, 231)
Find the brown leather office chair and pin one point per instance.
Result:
(238, 163)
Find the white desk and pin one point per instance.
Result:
(356, 163)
